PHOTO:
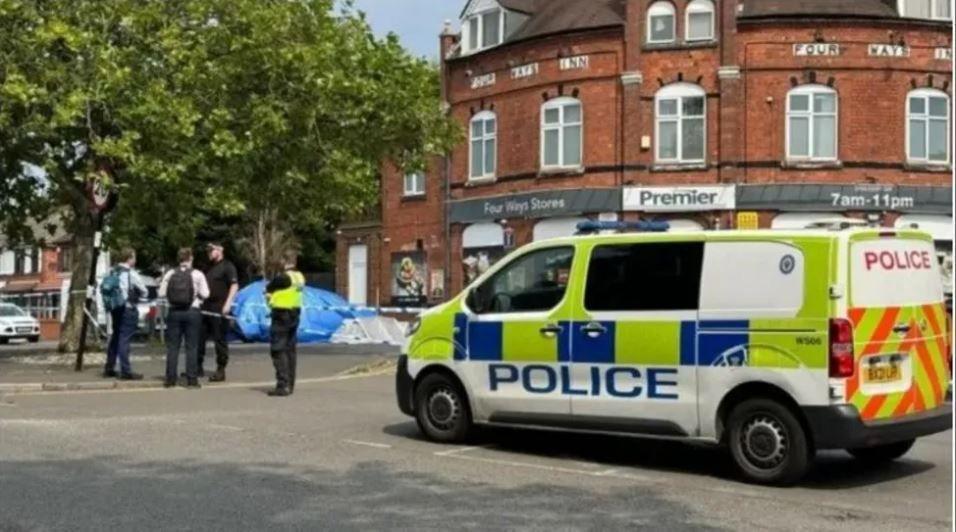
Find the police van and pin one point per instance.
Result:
(776, 344)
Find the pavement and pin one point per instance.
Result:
(339, 455)
(39, 368)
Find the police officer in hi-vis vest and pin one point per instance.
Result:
(284, 294)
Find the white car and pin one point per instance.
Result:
(15, 323)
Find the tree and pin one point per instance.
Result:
(201, 108)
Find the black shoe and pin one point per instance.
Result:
(169, 383)
(279, 392)
(110, 374)
(193, 383)
(131, 377)
(218, 376)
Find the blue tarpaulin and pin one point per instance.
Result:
(322, 314)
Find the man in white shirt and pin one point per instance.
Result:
(184, 290)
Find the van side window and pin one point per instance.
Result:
(640, 277)
(535, 282)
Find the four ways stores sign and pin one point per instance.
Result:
(544, 204)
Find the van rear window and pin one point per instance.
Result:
(893, 272)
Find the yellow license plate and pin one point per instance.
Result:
(881, 374)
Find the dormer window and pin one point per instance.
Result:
(926, 9)
(484, 29)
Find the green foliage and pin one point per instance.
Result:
(204, 110)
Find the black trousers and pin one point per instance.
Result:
(214, 328)
(182, 325)
(285, 325)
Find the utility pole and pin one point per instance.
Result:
(99, 196)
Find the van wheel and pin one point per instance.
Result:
(882, 453)
(33, 339)
(441, 409)
(767, 442)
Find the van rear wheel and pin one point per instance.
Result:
(768, 444)
(441, 409)
(882, 453)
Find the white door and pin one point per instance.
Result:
(358, 275)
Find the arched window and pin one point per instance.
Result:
(484, 131)
(661, 22)
(812, 123)
(562, 133)
(699, 25)
(927, 126)
(681, 124)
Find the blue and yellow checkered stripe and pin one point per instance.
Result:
(677, 343)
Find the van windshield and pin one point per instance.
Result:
(894, 273)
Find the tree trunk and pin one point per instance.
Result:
(82, 256)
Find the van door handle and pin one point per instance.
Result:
(551, 330)
(594, 329)
(901, 329)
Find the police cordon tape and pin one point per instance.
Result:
(355, 309)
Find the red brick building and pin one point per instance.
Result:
(710, 114)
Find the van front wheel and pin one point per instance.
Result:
(882, 453)
(441, 409)
(767, 442)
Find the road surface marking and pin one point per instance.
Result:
(460, 450)
(228, 386)
(369, 444)
(225, 427)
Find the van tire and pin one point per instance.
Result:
(768, 443)
(441, 409)
(882, 453)
(33, 339)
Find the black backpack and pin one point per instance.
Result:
(179, 290)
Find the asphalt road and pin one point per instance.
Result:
(338, 455)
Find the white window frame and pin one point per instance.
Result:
(662, 7)
(480, 18)
(417, 181)
(560, 104)
(810, 91)
(925, 95)
(678, 92)
(482, 117)
(933, 9)
(700, 6)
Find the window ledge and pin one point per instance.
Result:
(678, 167)
(811, 165)
(561, 172)
(683, 45)
(413, 197)
(927, 167)
(481, 181)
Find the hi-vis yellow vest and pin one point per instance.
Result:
(289, 298)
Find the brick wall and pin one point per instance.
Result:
(746, 74)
